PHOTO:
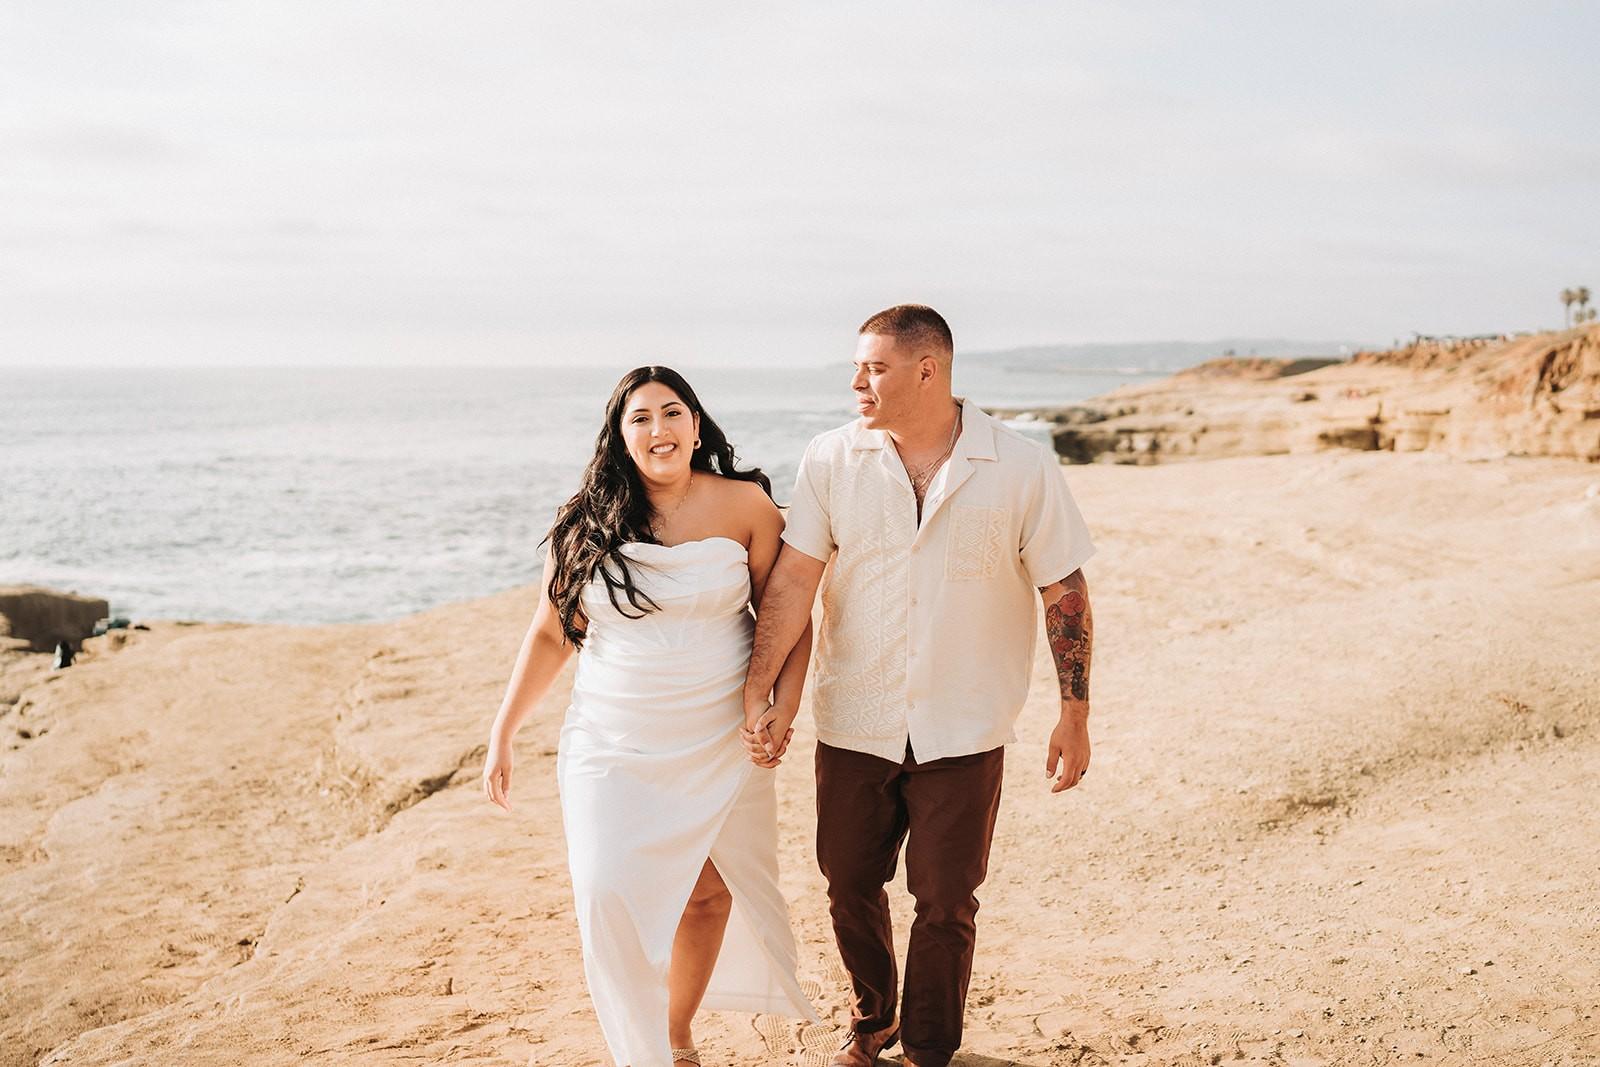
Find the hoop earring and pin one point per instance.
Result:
(697, 442)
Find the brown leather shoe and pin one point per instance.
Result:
(863, 1050)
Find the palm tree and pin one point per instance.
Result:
(1568, 296)
(1580, 296)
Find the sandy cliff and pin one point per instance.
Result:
(1473, 398)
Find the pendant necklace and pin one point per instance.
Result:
(659, 522)
(925, 473)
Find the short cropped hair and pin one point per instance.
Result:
(916, 326)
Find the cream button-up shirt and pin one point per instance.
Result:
(928, 631)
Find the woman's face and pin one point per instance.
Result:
(659, 430)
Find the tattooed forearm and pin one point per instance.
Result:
(1069, 624)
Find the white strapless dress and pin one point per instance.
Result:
(654, 780)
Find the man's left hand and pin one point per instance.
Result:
(1069, 747)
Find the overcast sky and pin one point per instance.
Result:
(518, 182)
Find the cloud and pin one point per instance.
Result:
(71, 144)
(704, 177)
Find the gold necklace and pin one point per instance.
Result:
(659, 523)
(923, 474)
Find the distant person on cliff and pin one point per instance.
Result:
(943, 526)
(651, 573)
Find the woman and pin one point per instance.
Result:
(671, 829)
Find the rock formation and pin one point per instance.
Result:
(1536, 395)
(35, 618)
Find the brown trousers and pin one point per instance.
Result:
(866, 808)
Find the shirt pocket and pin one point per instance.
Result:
(977, 540)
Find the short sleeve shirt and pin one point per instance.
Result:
(928, 630)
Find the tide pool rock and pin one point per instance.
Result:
(44, 617)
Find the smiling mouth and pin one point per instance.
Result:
(661, 450)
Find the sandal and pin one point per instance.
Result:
(685, 1055)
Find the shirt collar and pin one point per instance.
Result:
(976, 440)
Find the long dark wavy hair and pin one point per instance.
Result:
(611, 507)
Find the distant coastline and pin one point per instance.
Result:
(1154, 357)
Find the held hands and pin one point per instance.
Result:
(497, 775)
(1069, 744)
(767, 732)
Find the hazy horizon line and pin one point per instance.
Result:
(841, 360)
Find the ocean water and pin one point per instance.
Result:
(350, 494)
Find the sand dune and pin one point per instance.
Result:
(1347, 721)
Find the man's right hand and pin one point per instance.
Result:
(779, 731)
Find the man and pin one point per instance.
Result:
(944, 523)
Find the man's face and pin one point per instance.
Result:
(887, 381)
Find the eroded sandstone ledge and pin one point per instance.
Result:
(1536, 395)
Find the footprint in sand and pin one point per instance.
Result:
(385, 676)
(818, 1043)
(813, 1046)
(775, 1034)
